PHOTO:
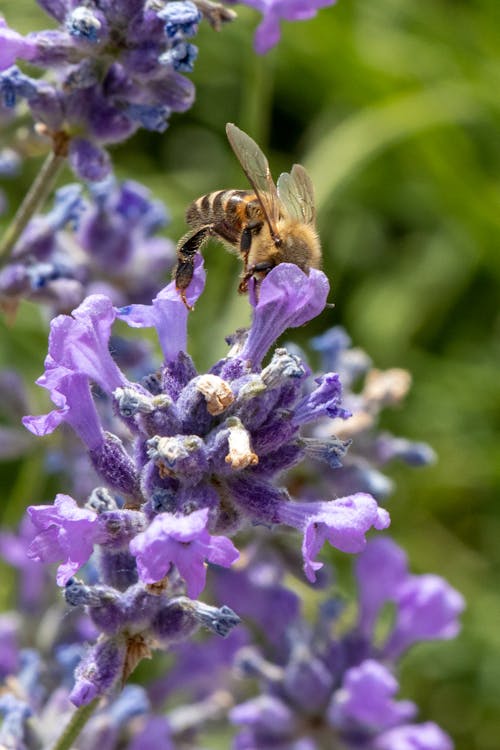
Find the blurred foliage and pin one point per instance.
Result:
(394, 109)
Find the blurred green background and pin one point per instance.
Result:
(395, 110)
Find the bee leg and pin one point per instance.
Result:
(186, 251)
(247, 234)
(263, 267)
(187, 248)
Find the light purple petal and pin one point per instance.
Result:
(79, 343)
(13, 46)
(168, 314)
(366, 698)
(381, 569)
(71, 394)
(427, 608)
(427, 736)
(182, 541)
(65, 532)
(343, 522)
(288, 298)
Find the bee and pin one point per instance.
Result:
(265, 226)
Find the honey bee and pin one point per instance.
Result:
(267, 225)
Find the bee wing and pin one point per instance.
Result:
(296, 193)
(256, 168)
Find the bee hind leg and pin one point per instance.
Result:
(187, 248)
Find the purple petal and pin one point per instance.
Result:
(66, 532)
(71, 394)
(80, 343)
(426, 736)
(343, 522)
(427, 608)
(13, 46)
(168, 314)
(366, 697)
(288, 298)
(381, 569)
(184, 542)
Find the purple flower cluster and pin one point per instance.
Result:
(367, 391)
(317, 688)
(116, 66)
(197, 460)
(107, 243)
(212, 442)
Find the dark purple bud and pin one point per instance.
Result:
(307, 680)
(117, 569)
(324, 401)
(99, 670)
(112, 462)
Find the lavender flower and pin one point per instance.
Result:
(116, 66)
(371, 450)
(317, 688)
(196, 461)
(106, 244)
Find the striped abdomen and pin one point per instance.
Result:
(232, 207)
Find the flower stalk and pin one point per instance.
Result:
(35, 198)
(76, 725)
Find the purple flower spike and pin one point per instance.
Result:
(168, 314)
(366, 697)
(343, 522)
(182, 541)
(13, 46)
(428, 608)
(268, 32)
(427, 736)
(66, 532)
(288, 298)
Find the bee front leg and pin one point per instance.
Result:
(247, 234)
(263, 267)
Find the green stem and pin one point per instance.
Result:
(75, 726)
(34, 198)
